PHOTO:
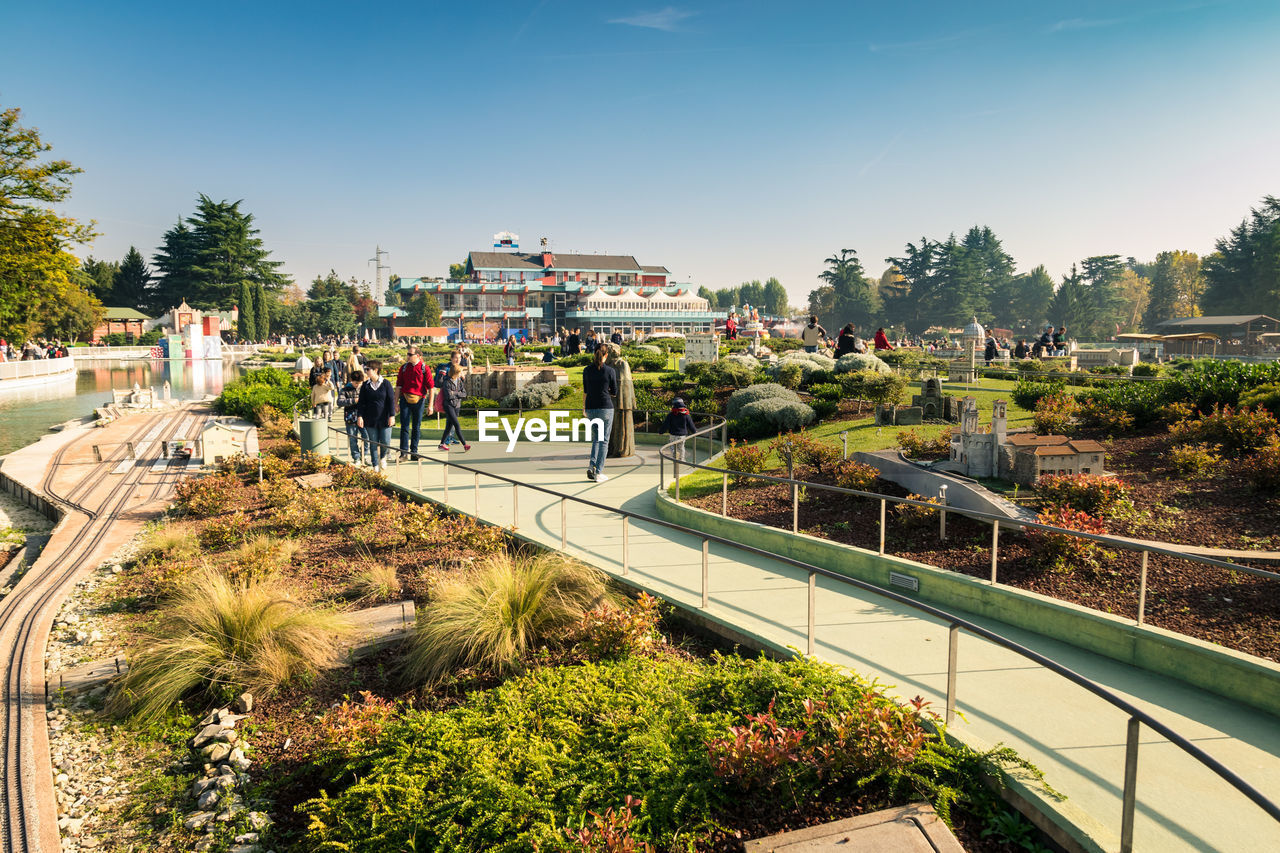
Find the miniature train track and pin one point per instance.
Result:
(20, 621)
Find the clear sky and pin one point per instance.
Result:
(728, 141)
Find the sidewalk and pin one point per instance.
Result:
(1076, 739)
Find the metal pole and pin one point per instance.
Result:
(883, 504)
(626, 543)
(844, 441)
(953, 650)
(675, 467)
(724, 495)
(706, 550)
(445, 479)
(995, 547)
(1130, 786)
(942, 515)
(477, 473)
(515, 505)
(564, 523)
(1142, 589)
(813, 587)
(419, 473)
(795, 491)
(724, 436)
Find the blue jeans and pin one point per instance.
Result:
(811, 349)
(354, 434)
(600, 449)
(410, 424)
(381, 434)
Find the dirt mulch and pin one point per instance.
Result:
(1233, 609)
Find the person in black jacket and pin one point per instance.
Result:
(376, 413)
(452, 394)
(990, 351)
(846, 343)
(599, 387)
(1021, 351)
(679, 422)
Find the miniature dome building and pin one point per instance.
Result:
(974, 334)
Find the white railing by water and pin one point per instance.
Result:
(36, 367)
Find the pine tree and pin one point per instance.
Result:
(1243, 275)
(262, 313)
(174, 260)
(1176, 286)
(247, 325)
(132, 281)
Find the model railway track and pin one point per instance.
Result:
(19, 824)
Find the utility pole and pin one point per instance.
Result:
(380, 266)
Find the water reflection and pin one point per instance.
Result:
(27, 413)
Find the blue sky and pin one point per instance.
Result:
(728, 141)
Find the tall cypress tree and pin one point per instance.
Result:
(262, 313)
(132, 280)
(247, 326)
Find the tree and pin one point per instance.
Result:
(69, 310)
(1176, 286)
(751, 293)
(392, 294)
(204, 259)
(1243, 275)
(1102, 274)
(262, 312)
(331, 315)
(1028, 298)
(101, 278)
(775, 298)
(458, 272)
(948, 283)
(247, 325)
(132, 281)
(852, 299)
(35, 266)
(1071, 305)
(330, 285)
(705, 292)
(1134, 293)
(424, 310)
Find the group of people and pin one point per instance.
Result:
(813, 337)
(31, 350)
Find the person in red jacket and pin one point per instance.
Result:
(414, 382)
(882, 340)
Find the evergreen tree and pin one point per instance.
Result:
(1072, 305)
(262, 312)
(775, 298)
(1028, 300)
(247, 325)
(330, 285)
(1102, 274)
(851, 299)
(1176, 286)
(132, 281)
(1243, 275)
(174, 262)
(100, 278)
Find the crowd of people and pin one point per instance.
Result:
(31, 350)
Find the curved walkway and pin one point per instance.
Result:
(1075, 738)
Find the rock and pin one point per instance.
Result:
(200, 786)
(260, 820)
(95, 636)
(61, 778)
(117, 569)
(74, 826)
(238, 761)
(244, 703)
(197, 820)
(218, 752)
(226, 718)
(246, 838)
(88, 843)
(228, 736)
(208, 799)
(206, 734)
(245, 848)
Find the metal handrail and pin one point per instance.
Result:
(955, 623)
(1136, 715)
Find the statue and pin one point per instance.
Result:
(755, 315)
(622, 439)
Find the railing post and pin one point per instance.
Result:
(515, 505)
(724, 495)
(883, 516)
(1130, 786)
(675, 467)
(419, 472)
(626, 544)
(1142, 588)
(477, 474)
(995, 548)
(844, 441)
(813, 587)
(942, 515)
(564, 523)
(953, 651)
(795, 491)
(706, 550)
(724, 436)
(445, 479)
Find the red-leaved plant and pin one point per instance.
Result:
(610, 832)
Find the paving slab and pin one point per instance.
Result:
(907, 829)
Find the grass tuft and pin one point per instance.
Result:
(495, 617)
(170, 542)
(222, 638)
(375, 582)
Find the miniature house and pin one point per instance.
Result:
(1021, 457)
(498, 380)
(223, 439)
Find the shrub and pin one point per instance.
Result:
(881, 388)
(261, 558)
(1263, 469)
(782, 415)
(789, 375)
(223, 638)
(808, 362)
(917, 446)
(917, 516)
(1062, 552)
(1263, 397)
(377, 582)
(349, 476)
(750, 362)
(1055, 414)
(858, 361)
(824, 409)
(612, 630)
(642, 360)
(266, 386)
(856, 475)
(275, 468)
(493, 619)
(826, 391)
(352, 725)
(1237, 431)
(1208, 383)
(1091, 493)
(1096, 414)
(1142, 400)
(170, 542)
(224, 531)
(1195, 460)
(204, 497)
(535, 395)
(720, 374)
(313, 463)
(279, 493)
(272, 423)
(744, 458)
(766, 391)
(822, 456)
(1146, 369)
(1027, 392)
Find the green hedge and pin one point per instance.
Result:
(266, 386)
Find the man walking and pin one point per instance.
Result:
(509, 350)
(412, 382)
(376, 414)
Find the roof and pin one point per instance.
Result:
(422, 331)
(655, 270)
(519, 261)
(123, 314)
(1087, 446)
(1027, 439)
(1055, 450)
(391, 311)
(1222, 320)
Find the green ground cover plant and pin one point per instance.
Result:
(266, 386)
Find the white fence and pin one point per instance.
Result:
(36, 367)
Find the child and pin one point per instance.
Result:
(679, 422)
(322, 391)
(349, 399)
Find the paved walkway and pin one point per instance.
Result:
(1075, 738)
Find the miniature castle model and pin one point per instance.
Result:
(934, 404)
(496, 381)
(1021, 457)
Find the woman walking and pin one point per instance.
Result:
(451, 396)
(349, 400)
(599, 387)
(376, 414)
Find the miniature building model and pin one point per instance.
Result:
(498, 380)
(1021, 457)
(934, 403)
(224, 439)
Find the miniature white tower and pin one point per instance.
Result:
(969, 417)
(999, 433)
